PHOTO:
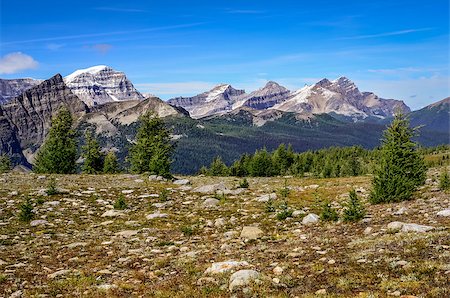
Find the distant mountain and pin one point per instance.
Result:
(268, 96)
(100, 84)
(218, 100)
(14, 87)
(434, 117)
(341, 97)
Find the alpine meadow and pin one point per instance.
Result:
(225, 149)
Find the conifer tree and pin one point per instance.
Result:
(218, 167)
(59, 152)
(401, 169)
(92, 155)
(153, 148)
(110, 165)
(354, 209)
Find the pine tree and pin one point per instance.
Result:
(401, 169)
(59, 152)
(110, 166)
(218, 167)
(354, 209)
(153, 148)
(93, 157)
(5, 163)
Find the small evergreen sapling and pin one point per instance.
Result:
(444, 180)
(26, 211)
(354, 209)
(120, 203)
(5, 163)
(243, 183)
(328, 213)
(111, 166)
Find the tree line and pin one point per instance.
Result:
(326, 163)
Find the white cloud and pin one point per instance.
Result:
(383, 34)
(176, 88)
(16, 62)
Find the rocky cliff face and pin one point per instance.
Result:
(29, 115)
(14, 87)
(101, 84)
(220, 99)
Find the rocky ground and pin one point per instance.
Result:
(189, 242)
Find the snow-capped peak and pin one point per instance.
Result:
(216, 91)
(90, 70)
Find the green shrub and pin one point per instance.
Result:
(284, 212)
(188, 231)
(270, 206)
(444, 181)
(354, 209)
(52, 188)
(5, 163)
(328, 213)
(26, 211)
(164, 195)
(120, 203)
(243, 183)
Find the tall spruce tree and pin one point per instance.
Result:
(401, 169)
(59, 152)
(92, 155)
(153, 148)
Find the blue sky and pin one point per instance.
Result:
(398, 49)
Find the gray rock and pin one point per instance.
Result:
(310, 219)
(112, 213)
(211, 188)
(298, 213)
(242, 278)
(210, 202)
(58, 273)
(222, 267)
(251, 233)
(156, 215)
(182, 182)
(408, 227)
(444, 213)
(267, 197)
(38, 222)
(126, 233)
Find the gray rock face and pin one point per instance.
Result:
(408, 227)
(15, 87)
(100, 84)
(29, 115)
(268, 96)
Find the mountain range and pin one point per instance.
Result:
(222, 121)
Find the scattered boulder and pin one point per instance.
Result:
(58, 273)
(310, 219)
(251, 233)
(222, 267)
(444, 213)
(210, 202)
(112, 213)
(396, 226)
(211, 188)
(242, 278)
(182, 182)
(267, 197)
(156, 215)
(126, 233)
(38, 222)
